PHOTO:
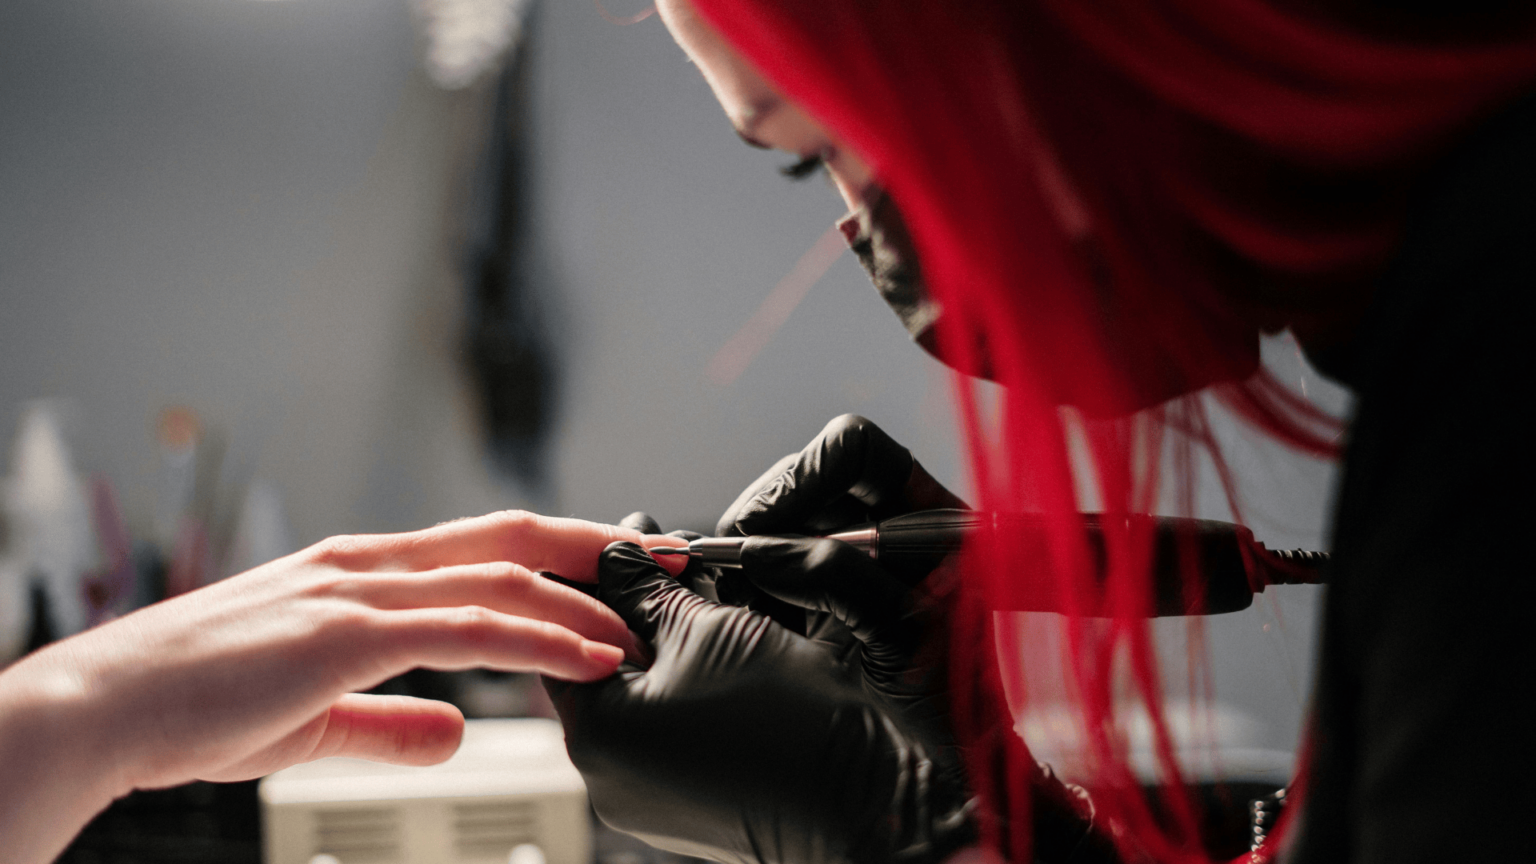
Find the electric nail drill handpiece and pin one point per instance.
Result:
(1233, 564)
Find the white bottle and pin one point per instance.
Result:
(49, 519)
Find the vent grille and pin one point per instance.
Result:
(490, 830)
(357, 836)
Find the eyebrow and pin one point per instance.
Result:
(756, 114)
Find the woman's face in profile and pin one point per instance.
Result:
(1151, 371)
(762, 117)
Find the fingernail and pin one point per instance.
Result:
(602, 652)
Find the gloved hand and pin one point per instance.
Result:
(746, 742)
(867, 617)
(886, 627)
(887, 635)
(851, 473)
(695, 576)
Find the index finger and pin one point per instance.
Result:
(568, 547)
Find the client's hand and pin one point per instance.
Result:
(257, 672)
(745, 742)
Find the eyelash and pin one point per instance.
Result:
(805, 168)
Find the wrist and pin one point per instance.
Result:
(56, 768)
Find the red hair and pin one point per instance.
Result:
(1109, 200)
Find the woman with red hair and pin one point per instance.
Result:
(1109, 203)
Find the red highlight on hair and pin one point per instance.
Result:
(1111, 200)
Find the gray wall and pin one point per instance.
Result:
(667, 232)
(244, 207)
(223, 204)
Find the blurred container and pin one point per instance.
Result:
(511, 784)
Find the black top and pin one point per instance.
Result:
(1425, 744)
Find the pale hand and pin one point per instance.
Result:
(258, 672)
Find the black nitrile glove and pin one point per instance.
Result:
(849, 474)
(893, 642)
(886, 638)
(886, 627)
(697, 577)
(746, 742)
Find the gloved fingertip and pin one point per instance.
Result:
(623, 560)
(631, 583)
(619, 546)
(640, 521)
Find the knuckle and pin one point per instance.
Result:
(502, 571)
(343, 549)
(329, 581)
(847, 436)
(482, 625)
(471, 625)
(846, 423)
(508, 579)
(343, 623)
(474, 620)
(513, 527)
(514, 521)
(334, 639)
(849, 431)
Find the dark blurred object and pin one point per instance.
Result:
(479, 693)
(611, 846)
(40, 631)
(110, 588)
(199, 823)
(1226, 826)
(506, 337)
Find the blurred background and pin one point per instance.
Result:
(272, 271)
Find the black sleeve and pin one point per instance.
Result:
(1423, 724)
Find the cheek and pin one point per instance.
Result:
(851, 177)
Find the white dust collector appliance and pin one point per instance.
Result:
(510, 787)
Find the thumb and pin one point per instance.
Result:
(401, 730)
(642, 592)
